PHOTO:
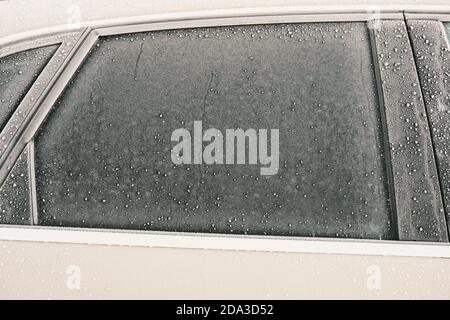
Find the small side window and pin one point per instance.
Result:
(18, 72)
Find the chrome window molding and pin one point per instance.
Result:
(11, 45)
(32, 183)
(444, 17)
(172, 21)
(316, 13)
(74, 59)
(247, 16)
(153, 239)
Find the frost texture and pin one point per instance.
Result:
(14, 195)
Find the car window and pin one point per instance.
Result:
(18, 72)
(289, 119)
(14, 194)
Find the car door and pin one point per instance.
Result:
(354, 157)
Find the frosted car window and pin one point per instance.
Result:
(17, 73)
(14, 194)
(104, 153)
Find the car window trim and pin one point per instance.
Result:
(9, 46)
(234, 242)
(412, 15)
(11, 135)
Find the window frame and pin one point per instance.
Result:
(14, 144)
(427, 15)
(57, 81)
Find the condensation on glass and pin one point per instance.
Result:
(18, 72)
(14, 194)
(103, 155)
(431, 45)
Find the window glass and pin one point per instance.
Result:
(109, 153)
(14, 195)
(447, 29)
(17, 73)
